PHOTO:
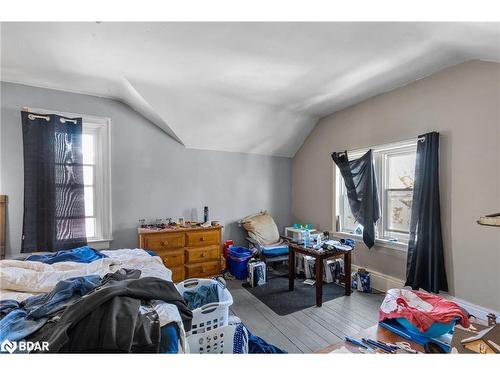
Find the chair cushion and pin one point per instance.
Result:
(275, 251)
(261, 228)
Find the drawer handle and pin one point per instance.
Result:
(202, 238)
(165, 260)
(202, 255)
(164, 243)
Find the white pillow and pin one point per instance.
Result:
(261, 228)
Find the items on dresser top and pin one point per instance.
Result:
(187, 252)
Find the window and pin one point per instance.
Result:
(395, 173)
(96, 176)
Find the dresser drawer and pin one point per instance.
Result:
(172, 258)
(202, 254)
(164, 241)
(177, 273)
(203, 269)
(203, 238)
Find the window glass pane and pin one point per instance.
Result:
(88, 175)
(398, 214)
(401, 170)
(90, 227)
(89, 201)
(88, 149)
(349, 221)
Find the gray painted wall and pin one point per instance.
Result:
(152, 175)
(463, 104)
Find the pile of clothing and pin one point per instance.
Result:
(123, 310)
(201, 296)
(421, 309)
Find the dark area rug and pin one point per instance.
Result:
(277, 297)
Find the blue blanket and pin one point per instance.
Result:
(20, 320)
(84, 254)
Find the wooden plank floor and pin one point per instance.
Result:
(310, 329)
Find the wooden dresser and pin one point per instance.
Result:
(188, 252)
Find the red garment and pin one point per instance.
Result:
(420, 308)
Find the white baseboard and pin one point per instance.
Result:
(383, 283)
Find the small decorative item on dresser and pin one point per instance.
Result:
(180, 221)
(205, 214)
(215, 223)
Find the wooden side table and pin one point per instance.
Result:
(319, 257)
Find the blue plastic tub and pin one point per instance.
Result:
(435, 330)
(237, 260)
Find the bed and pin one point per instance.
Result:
(21, 279)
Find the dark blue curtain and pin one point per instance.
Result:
(54, 205)
(425, 260)
(361, 186)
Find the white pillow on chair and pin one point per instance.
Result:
(262, 228)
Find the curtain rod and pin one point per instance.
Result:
(33, 116)
(419, 139)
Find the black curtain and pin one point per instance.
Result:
(54, 206)
(425, 261)
(361, 186)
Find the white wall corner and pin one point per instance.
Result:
(383, 283)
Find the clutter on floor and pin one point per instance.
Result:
(257, 272)
(368, 345)
(421, 317)
(426, 313)
(257, 345)
(237, 260)
(478, 339)
(361, 281)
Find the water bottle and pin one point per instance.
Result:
(205, 214)
(306, 234)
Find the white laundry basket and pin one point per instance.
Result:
(212, 315)
(218, 341)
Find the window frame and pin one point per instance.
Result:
(380, 161)
(101, 128)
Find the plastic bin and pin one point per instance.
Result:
(211, 315)
(237, 261)
(435, 330)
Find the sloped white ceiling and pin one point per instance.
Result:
(242, 87)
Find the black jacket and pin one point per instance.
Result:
(108, 318)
